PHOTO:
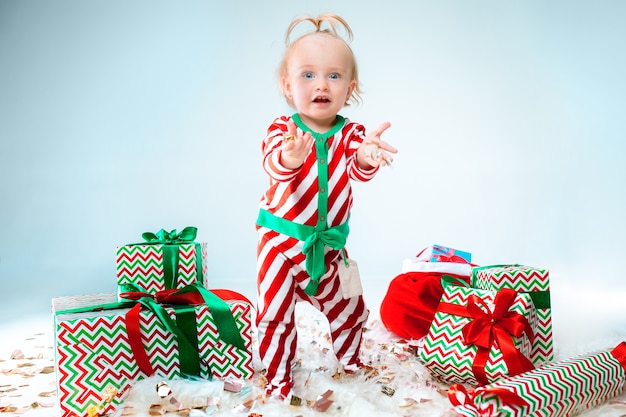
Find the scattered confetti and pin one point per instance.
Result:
(155, 410)
(213, 401)
(323, 402)
(231, 385)
(4, 391)
(243, 407)
(47, 370)
(163, 390)
(92, 411)
(407, 403)
(25, 364)
(295, 401)
(387, 390)
(17, 354)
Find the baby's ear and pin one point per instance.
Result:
(351, 88)
(285, 86)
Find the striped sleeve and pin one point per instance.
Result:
(271, 149)
(355, 134)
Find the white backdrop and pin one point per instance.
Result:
(122, 117)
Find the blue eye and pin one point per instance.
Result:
(334, 76)
(308, 75)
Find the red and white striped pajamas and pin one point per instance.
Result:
(282, 277)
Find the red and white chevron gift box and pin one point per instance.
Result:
(479, 336)
(535, 282)
(559, 389)
(94, 358)
(144, 266)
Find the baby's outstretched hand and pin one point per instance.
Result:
(373, 151)
(295, 147)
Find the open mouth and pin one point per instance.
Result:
(321, 100)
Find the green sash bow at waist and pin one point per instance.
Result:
(314, 242)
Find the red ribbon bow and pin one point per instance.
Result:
(449, 255)
(460, 397)
(450, 258)
(175, 296)
(498, 327)
(445, 255)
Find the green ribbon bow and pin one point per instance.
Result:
(314, 242)
(313, 248)
(187, 235)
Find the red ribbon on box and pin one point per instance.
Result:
(487, 328)
(619, 353)
(191, 295)
(446, 255)
(458, 395)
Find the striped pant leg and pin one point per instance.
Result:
(276, 307)
(346, 317)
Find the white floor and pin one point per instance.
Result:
(584, 318)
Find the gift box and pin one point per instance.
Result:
(559, 389)
(439, 253)
(479, 336)
(166, 260)
(102, 346)
(438, 258)
(535, 282)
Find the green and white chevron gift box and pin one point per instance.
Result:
(166, 260)
(560, 389)
(479, 336)
(531, 280)
(96, 362)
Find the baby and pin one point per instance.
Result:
(311, 157)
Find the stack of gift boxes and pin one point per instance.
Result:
(163, 321)
(491, 341)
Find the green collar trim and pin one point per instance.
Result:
(338, 125)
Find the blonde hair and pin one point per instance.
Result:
(333, 22)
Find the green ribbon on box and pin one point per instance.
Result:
(450, 280)
(188, 356)
(185, 327)
(171, 242)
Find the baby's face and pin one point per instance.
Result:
(319, 79)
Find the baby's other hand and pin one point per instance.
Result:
(373, 151)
